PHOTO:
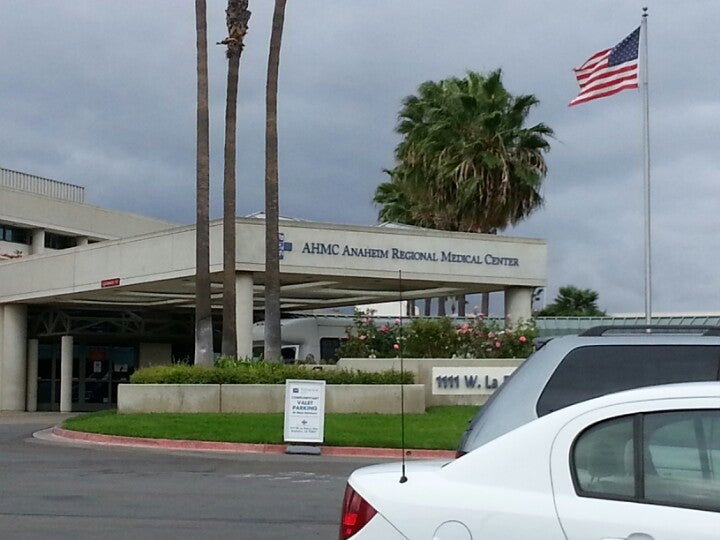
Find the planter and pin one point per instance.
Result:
(264, 398)
(423, 370)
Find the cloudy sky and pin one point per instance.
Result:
(102, 94)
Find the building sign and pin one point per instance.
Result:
(347, 250)
(468, 380)
(114, 282)
(304, 411)
(283, 246)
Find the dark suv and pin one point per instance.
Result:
(600, 361)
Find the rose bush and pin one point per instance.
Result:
(476, 337)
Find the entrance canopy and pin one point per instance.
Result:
(321, 266)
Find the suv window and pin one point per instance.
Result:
(589, 372)
(680, 459)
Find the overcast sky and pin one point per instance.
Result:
(102, 94)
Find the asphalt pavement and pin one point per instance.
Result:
(56, 488)
(62, 488)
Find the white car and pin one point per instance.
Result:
(637, 465)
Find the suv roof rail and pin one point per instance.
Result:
(596, 331)
(540, 342)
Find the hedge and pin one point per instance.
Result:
(261, 373)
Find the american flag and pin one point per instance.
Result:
(610, 71)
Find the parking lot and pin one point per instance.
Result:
(55, 489)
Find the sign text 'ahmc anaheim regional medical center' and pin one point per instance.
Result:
(339, 250)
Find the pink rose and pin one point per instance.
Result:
(383, 328)
(397, 321)
(362, 337)
(523, 339)
(491, 335)
(396, 346)
(498, 344)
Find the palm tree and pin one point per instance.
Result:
(466, 148)
(237, 17)
(573, 302)
(203, 307)
(466, 162)
(272, 255)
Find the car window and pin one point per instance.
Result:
(684, 458)
(588, 372)
(603, 459)
(679, 452)
(329, 347)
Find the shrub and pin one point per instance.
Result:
(368, 340)
(438, 338)
(430, 338)
(482, 339)
(260, 373)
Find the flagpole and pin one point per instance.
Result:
(646, 164)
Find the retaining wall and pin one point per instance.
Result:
(423, 371)
(264, 398)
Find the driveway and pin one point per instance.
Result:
(59, 489)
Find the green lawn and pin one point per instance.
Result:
(439, 428)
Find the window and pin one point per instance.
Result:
(603, 459)
(589, 372)
(15, 235)
(59, 241)
(328, 348)
(669, 458)
(683, 465)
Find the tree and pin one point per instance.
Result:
(237, 17)
(203, 307)
(272, 255)
(573, 302)
(466, 162)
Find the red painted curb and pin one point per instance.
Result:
(172, 444)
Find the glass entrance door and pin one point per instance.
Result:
(48, 386)
(97, 371)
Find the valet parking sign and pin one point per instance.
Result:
(304, 411)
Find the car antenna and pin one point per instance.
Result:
(403, 478)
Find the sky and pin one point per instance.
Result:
(102, 94)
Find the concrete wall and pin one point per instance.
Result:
(32, 210)
(422, 368)
(263, 398)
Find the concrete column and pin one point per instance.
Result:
(518, 303)
(14, 358)
(38, 241)
(33, 347)
(244, 313)
(66, 365)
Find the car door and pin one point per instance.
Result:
(647, 471)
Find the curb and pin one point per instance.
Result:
(248, 448)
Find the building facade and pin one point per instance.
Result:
(87, 294)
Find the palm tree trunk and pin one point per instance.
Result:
(229, 334)
(203, 307)
(272, 255)
(237, 22)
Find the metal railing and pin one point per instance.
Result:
(41, 186)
